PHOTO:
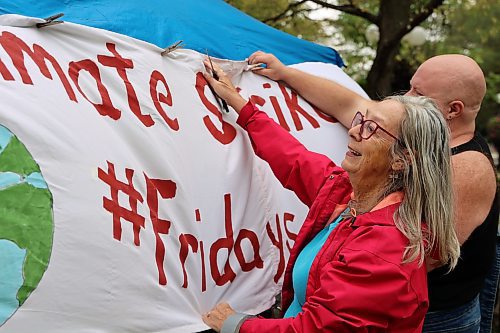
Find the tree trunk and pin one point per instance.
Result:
(394, 16)
(380, 77)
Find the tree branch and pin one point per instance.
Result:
(426, 11)
(350, 9)
(292, 6)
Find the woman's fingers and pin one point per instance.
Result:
(225, 309)
(216, 317)
(209, 78)
(220, 75)
(222, 87)
(210, 320)
(208, 66)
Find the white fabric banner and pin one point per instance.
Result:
(158, 207)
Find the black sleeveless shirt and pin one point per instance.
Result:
(447, 291)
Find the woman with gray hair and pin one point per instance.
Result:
(359, 261)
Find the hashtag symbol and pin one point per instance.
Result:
(113, 206)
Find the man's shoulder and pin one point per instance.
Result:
(474, 173)
(472, 166)
(474, 182)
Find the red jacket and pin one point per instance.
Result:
(357, 282)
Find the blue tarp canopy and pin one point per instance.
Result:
(211, 25)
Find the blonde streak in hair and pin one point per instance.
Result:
(445, 233)
(428, 185)
(432, 185)
(410, 211)
(439, 206)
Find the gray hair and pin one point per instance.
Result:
(426, 213)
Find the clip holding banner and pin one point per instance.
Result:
(172, 47)
(51, 20)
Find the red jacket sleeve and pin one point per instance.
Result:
(359, 292)
(297, 168)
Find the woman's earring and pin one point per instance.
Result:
(393, 176)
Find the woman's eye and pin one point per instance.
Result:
(370, 127)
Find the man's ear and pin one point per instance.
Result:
(456, 108)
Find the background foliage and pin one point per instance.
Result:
(468, 27)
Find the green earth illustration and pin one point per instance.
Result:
(26, 224)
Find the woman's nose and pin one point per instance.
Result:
(355, 132)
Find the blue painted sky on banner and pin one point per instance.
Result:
(208, 24)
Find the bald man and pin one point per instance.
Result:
(457, 85)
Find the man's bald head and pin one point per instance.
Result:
(451, 77)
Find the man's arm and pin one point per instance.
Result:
(330, 97)
(475, 186)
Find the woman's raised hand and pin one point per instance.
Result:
(223, 87)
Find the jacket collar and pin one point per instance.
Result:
(391, 199)
(382, 213)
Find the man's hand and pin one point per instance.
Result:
(328, 96)
(274, 69)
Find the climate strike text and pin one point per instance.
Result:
(160, 92)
